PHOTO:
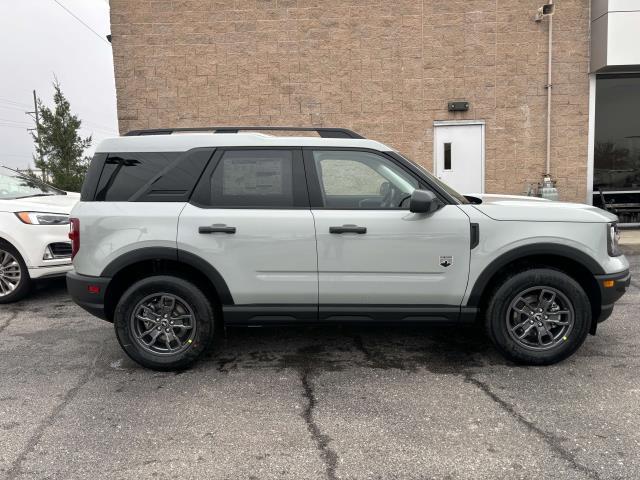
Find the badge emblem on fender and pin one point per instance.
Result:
(446, 261)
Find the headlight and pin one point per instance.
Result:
(613, 237)
(41, 218)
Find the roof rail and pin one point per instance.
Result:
(325, 132)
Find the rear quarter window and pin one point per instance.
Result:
(124, 174)
(151, 176)
(90, 182)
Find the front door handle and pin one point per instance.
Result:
(217, 229)
(348, 229)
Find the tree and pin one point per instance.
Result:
(59, 147)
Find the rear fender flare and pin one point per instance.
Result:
(167, 253)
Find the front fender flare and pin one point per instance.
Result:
(524, 251)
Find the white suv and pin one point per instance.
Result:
(178, 233)
(34, 229)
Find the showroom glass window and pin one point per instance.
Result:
(617, 133)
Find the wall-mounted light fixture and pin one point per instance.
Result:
(458, 106)
(544, 11)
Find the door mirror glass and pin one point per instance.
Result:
(423, 201)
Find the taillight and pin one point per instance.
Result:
(74, 236)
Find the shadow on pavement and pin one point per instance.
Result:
(450, 350)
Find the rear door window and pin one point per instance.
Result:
(255, 178)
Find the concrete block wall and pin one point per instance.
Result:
(383, 68)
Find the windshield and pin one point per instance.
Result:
(458, 196)
(14, 185)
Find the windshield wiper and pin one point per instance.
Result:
(36, 195)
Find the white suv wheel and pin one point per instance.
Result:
(10, 273)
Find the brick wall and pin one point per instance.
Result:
(383, 68)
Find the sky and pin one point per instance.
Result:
(39, 38)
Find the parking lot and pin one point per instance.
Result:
(306, 403)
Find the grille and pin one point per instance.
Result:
(61, 249)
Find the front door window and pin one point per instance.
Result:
(362, 180)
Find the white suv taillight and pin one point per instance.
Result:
(74, 236)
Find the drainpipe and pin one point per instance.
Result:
(547, 189)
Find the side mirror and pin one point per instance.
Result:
(423, 201)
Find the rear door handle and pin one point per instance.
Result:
(348, 229)
(217, 229)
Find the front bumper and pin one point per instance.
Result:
(50, 270)
(612, 287)
(88, 292)
(31, 241)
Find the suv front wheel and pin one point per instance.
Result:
(164, 322)
(538, 316)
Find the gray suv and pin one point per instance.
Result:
(180, 232)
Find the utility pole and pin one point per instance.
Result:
(37, 129)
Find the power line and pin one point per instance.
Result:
(98, 129)
(13, 126)
(17, 122)
(8, 100)
(94, 131)
(82, 22)
(17, 155)
(98, 125)
(11, 107)
(13, 102)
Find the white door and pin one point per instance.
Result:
(249, 218)
(371, 250)
(459, 156)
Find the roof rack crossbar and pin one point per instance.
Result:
(325, 132)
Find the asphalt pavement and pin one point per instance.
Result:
(307, 403)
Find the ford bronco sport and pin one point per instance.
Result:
(181, 231)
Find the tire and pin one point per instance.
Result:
(161, 343)
(534, 328)
(12, 264)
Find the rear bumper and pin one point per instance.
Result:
(88, 292)
(612, 287)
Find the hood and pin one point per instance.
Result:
(50, 203)
(535, 209)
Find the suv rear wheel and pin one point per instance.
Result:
(164, 322)
(538, 316)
